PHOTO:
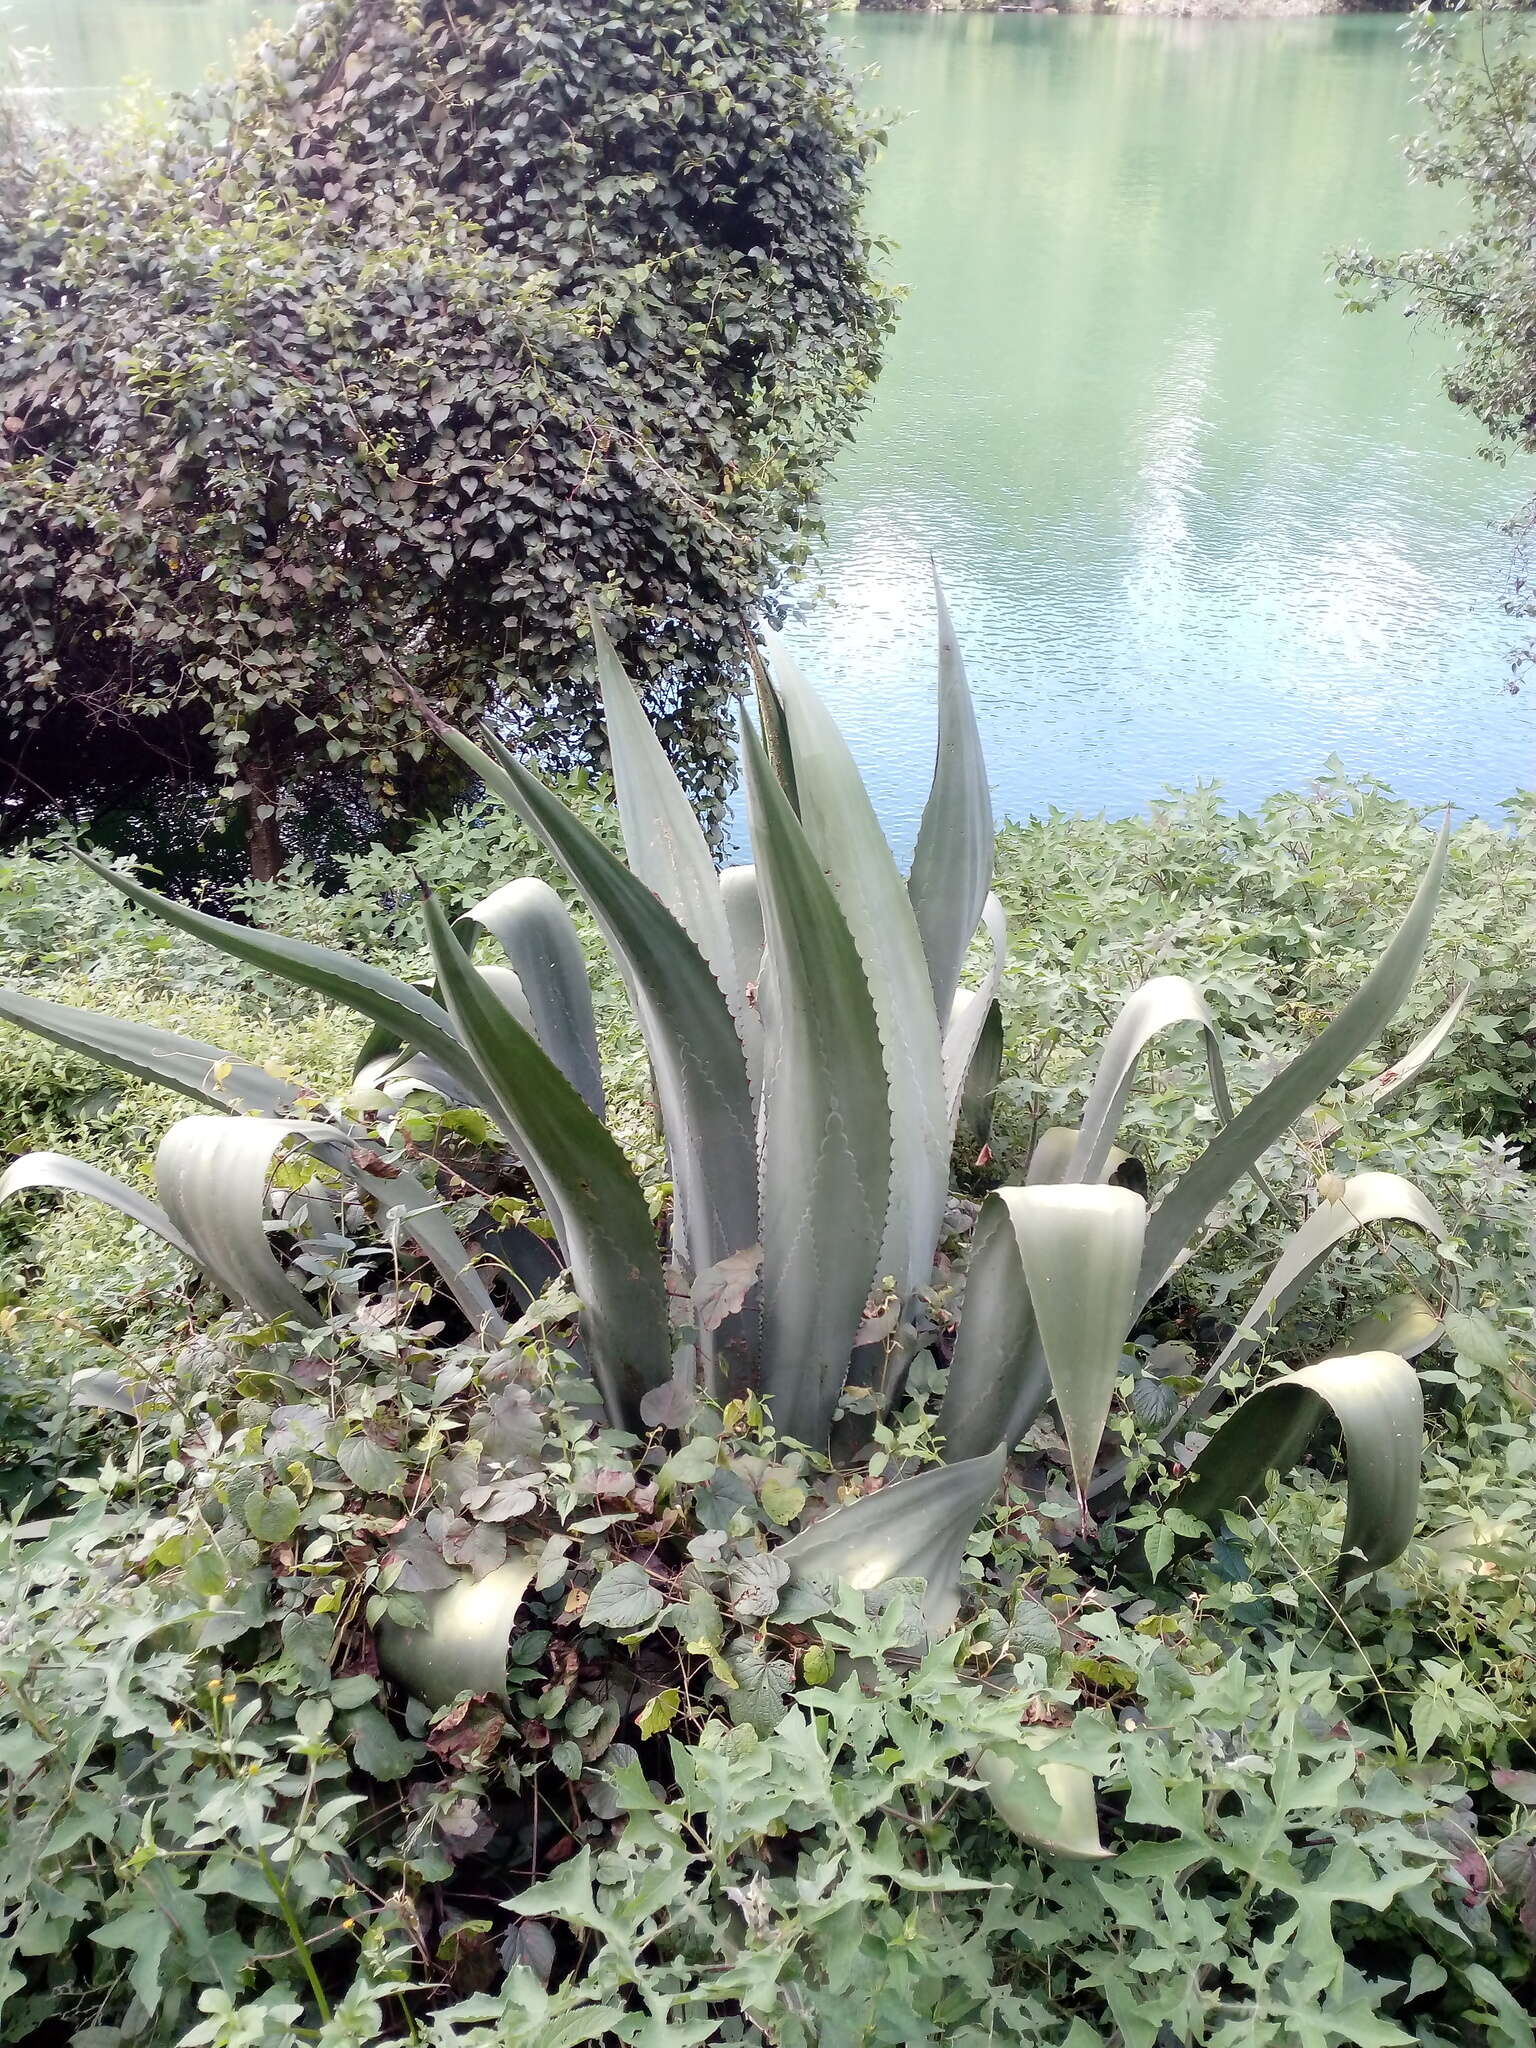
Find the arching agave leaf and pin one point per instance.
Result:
(205, 1072)
(664, 842)
(74, 1177)
(1051, 1806)
(1158, 1005)
(467, 1639)
(1238, 1148)
(409, 1210)
(842, 828)
(998, 1382)
(1053, 1154)
(534, 929)
(1418, 1056)
(1366, 1198)
(213, 1174)
(952, 863)
(412, 1017)
(1376, 1400)
(916, 1528)
(1404, 1323)
(696, 1054)
(982, 1076)
(974, 1017)
(744, 916)
(608, 1239)
(1080, 1248)
(826, 1156)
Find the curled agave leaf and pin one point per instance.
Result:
(465, 1643)
(1377, 1402)
(1051, 1806)
(1157, 1006)
(57, 1171)
(916, 1528)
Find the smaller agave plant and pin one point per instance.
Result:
(814, 1047)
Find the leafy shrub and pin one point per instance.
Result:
(354, 379)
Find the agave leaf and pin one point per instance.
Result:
(998, 1382)
(1079, 1247)
(608, 1238)
(1238, 1148)
(410, 1210)
(744, 916)
(775, 726)
(534, 929)
(1053, 1807)
(1367, 1198)
(1418, 1056)
(75, 1177)
(971, 1015)
(205, 1072)
(979, 1095)
(841, 827)
(1158, 1005)
(467, 1639)
(826, 1155)
(1404, 1323)
(412, 1017)
(701, 1073)
(212, 1173)
(662, 836)
(1376, 1400)
(916, 1528)
(952, 863)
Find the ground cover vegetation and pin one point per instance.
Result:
(386, 1659)
(356, 376)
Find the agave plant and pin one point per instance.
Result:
(814, 1046)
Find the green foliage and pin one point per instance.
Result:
(358, 377)
(1476, 71)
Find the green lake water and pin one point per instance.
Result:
(1194, 521)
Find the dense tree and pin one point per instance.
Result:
(355, 380)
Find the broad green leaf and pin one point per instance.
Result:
(1080, 1248)
(1158, 1005)
(915, 1529)
(623, 1599)
(696, 1054)
(205, 1072)
(75, 1177)
(213, 1174)
(826, 1155)
(1238, 1148)
(952, 862)
(1051, 1806)
(413, 1017)
(975, 1016)
(608, 1239)
(1376, 1400)
(467, 1637)
(534, 929)
(997, 1382)
(663, 839)
(841, 827)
